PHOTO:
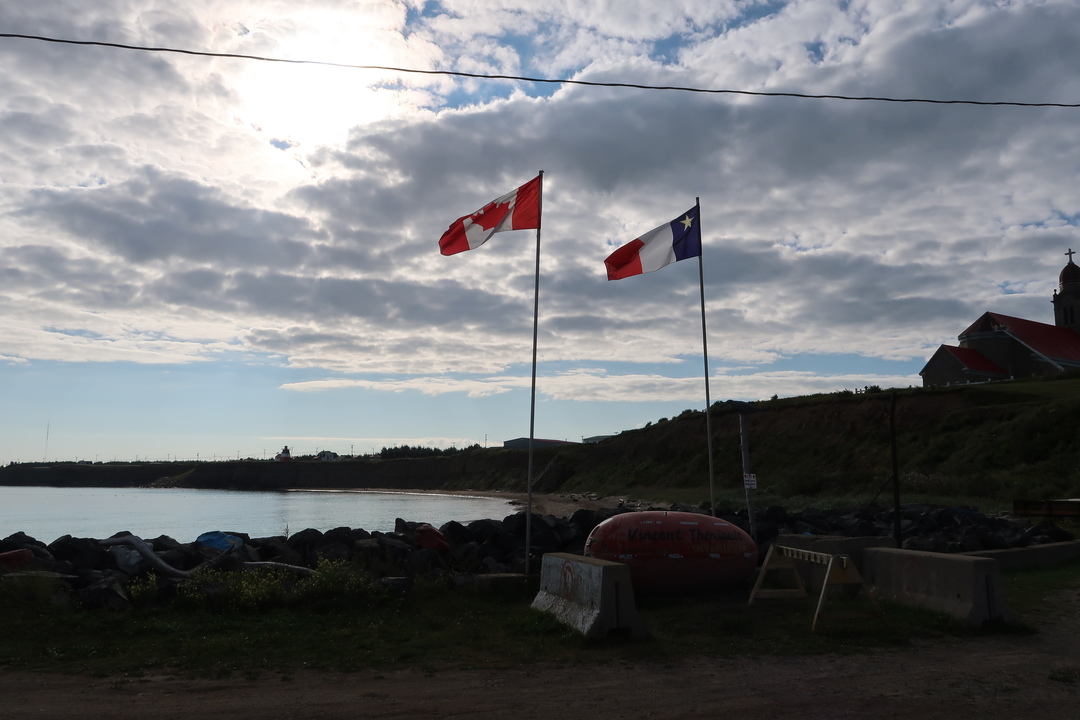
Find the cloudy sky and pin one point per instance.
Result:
(212, 257)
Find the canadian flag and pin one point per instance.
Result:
(517, 210)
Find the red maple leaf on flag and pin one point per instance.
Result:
(516, 210)
(490, 215)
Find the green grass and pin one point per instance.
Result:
(436, 628)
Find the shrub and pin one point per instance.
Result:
(335, 583)
(254, 590)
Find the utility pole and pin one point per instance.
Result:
(895, 472)
(749, 479)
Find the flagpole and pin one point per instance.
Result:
(532, 401)
(705, 355)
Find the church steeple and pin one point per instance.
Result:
(1066, 298)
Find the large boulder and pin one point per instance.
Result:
(277, 549)
(341, 535)
(484, 530)
(18, 541)
(584, 520)
(305, 542)
(185, 557)
(332, 551)
(15, 560)
(85, 553)
(455, 533)
(107, 593)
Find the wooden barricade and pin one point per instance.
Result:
(840, 570)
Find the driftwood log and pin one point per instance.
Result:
(148, 553)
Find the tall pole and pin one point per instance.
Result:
(744, 446)
(895, 473)
(705, 356)
(532, 401)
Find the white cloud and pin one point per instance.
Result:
(599, 386)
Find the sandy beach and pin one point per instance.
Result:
(557, 504)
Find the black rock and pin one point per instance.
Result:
(304, 540)
(331, 551)
(455, 533)
(405, 528)
(340, 535)
(80, 552)
(584, 520)
(484, 530)
(423, 561)
(19, 541)
(277, 549)
(163, 543)
(107, 593)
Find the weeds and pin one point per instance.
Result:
(333, 584)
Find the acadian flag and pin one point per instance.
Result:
(674, 241)
(517, 210)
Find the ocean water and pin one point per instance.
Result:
(46, 513)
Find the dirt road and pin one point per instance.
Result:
(1011, 676)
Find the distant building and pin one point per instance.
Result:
(523, 443)
(595, 439)
(1001, 347)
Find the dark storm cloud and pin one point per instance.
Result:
(1022, 53)
(49, 274)
(157, 217)
(402, 305)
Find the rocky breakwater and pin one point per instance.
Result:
(952, 529)
(91, 573)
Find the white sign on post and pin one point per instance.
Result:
(749, 481)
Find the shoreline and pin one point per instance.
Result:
(558, 504)
(505, 504)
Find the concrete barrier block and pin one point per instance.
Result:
(595, 597)
(966, 587)
(1033, 556)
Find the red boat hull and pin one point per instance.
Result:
(675, 551)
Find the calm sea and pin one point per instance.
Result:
(46, 513)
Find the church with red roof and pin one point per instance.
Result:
(1001, 347)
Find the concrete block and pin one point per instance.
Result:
(595, 597)
(966, 587)
(1033, 556)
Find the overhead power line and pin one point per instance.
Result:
(551, 81)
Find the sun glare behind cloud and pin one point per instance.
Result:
(310, 105)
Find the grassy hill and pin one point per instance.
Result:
(991, 443)
(984, 444)
(999, 442)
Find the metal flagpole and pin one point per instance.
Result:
(532, 402)
(705, 355)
